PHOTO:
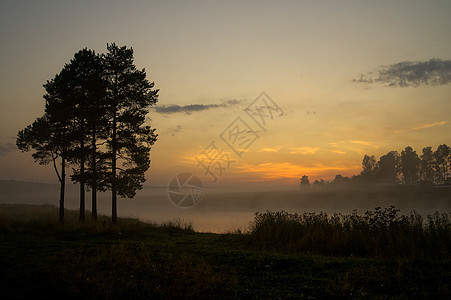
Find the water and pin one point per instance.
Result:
(227, 209)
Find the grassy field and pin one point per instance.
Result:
(275, 259)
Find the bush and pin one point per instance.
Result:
(377, 233)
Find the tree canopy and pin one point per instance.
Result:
(95, 121)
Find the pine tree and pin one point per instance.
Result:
(130, 94)
(89, 114)
(94, 119)
(48, 135)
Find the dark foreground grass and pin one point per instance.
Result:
(135, 260)
(377, 233)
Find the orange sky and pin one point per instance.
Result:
(222, 56)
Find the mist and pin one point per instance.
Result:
(228, 208)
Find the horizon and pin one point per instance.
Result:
(343, 83)
(225, 149)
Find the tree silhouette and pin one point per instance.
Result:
(388, 167)
(319, 183)
(49, 134)
(432, 167)
(368, 168)
(304, 182)
(95, 113)
(409, 165)
(49, 146)
(442, 159)
(89, 114)
(130, 94)
(427, 165)
(340, 180)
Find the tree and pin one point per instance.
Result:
(409, 165)
(94, 119)
(442, 159)
(304, 180)
(427, 165)
(388, 167)
(339, 179)
(89, 113)
(368, 167)
(48, 135)
(304, 183)
(130, 94)
(319, 183)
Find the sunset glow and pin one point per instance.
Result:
(334, 68)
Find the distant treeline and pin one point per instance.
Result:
(408, 168)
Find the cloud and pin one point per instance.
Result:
(411, 74)
(290, 170)
(304, 150)
(6, 148)
(338, 151)
(275, 149)
(429, 125)
(365, 143)
(418, 127)
(190, 108)
(349, 145)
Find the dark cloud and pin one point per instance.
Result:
(5, 148)
(190, 108)
(411, 74)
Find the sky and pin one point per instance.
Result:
(331, 80)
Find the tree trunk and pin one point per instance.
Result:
(62, 189)
(94, 202)
(94, 177)
(113, 174)
(445, 170)
(82, 182)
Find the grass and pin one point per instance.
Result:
(138, 260)
(378, 233)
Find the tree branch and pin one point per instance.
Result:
(56, 169)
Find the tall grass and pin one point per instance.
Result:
(377, 233)
(42, 220)
(178, 224)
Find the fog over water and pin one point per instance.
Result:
(223, 209)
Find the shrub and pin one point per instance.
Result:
(377, 233)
